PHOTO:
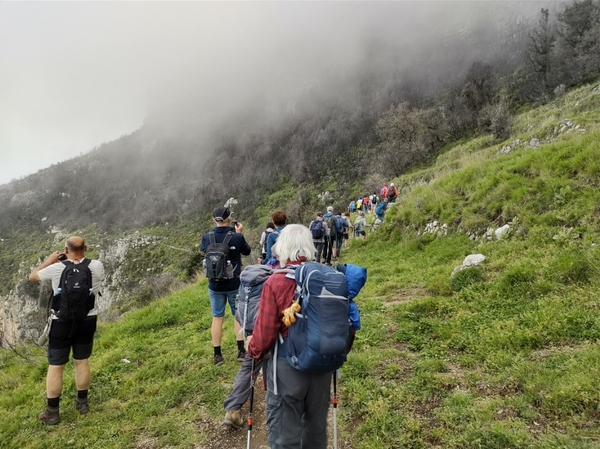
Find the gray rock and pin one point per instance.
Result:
(501, 232)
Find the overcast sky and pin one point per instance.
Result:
(76, 74)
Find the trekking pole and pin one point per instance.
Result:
(335, 410)
(252, 378)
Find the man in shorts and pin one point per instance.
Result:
(224, 291)
(68, 335)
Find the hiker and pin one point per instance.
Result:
(333, 227)
(365, 203)
(381, 208)
(263, 242)
(224, 289)
(65, 334)
(339, 238)
(252, 282)
(352, 207)
(297, 415)
(345, 235)
(383, 193)
(359, 225)
(374, 201)
(279, 219)
(319, 230)
(392, 193)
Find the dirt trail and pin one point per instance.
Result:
(222, 437)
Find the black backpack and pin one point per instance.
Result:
(316, 228)
(76, 297)
(217, 265)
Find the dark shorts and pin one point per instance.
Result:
(64, 336)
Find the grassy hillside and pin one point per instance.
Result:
(501, 356)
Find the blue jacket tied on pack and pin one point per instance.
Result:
(356, 278)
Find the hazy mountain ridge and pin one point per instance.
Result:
(165, 180)
(309, 134)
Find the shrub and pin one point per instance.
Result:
(465, 278)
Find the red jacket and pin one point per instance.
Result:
(277, 295)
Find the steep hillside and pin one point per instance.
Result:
(503, 354)
(143, 200)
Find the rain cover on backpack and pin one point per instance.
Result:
(252, 280)
(318, 340)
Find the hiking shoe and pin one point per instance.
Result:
(218, 360)
(81, 405)
(241, 355)
(233, 420)
(50, 417)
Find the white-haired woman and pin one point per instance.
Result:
(297, 415)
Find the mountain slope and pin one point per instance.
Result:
(504, 355)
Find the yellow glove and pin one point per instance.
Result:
(289, 314)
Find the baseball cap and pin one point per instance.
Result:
(329, 208)
(221, 213)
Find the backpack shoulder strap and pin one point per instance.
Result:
(211, 237)
(228, 238)
(85, 262)
(284, 271)
(67, 263)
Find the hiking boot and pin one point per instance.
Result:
(49, 416)
(218, 360)
(233, 420)
(81, 405)
(241, 355)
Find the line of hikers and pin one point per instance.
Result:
(368, 203)
(297, 371)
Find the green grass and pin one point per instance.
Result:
(152, 376)
(502, 356)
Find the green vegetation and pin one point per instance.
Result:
(502, 356)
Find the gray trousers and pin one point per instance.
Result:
(319, 247)
(241, 387)
(297, 416)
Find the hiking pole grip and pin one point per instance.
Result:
(252, 379)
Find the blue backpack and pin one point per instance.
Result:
(318, 341)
